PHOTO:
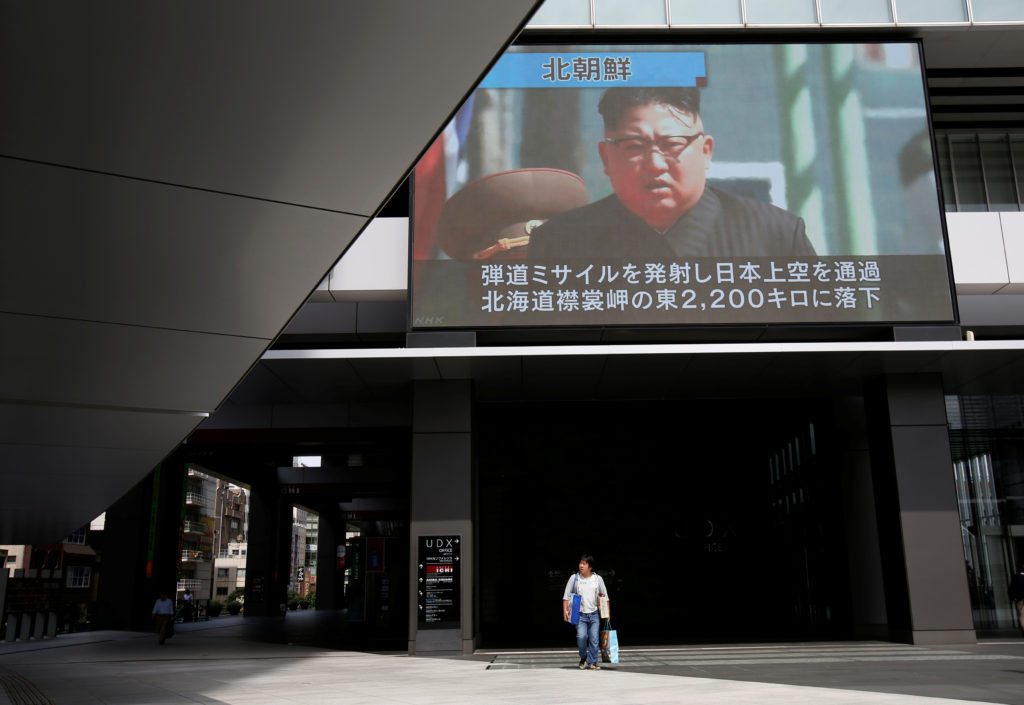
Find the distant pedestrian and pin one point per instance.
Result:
(163, 615)
(1017, 595)
(589, 586)
(188, 613)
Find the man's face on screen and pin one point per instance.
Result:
(656, 159)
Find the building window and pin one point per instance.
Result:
(987, 440)
(998, 11)
(222, 592)
(698, 12)
(222, 572)
(630, 12)
(78, 536)
(12, 559)
(79, 576)
(925, 11)
(981, 171)
(865, 12)
(240, 574)
(562, 12)
(784, 12)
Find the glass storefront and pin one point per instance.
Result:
(987, 443)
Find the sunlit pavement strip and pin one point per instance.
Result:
(215, 668)
(362, 678)
(746, 656)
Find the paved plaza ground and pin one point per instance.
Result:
(231, 660)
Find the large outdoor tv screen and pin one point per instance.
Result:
(674, 185)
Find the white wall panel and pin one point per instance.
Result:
(375, 267)
(1013, 242)
(976, 244)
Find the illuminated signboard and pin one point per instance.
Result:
(438, 589)
(674, 185)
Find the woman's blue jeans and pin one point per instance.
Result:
(587, 634)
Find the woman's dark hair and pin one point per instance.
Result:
(588, 559)
(616, 102)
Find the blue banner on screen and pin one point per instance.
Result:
(676, 185)
(597, 69)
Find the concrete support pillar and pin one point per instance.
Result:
(443, 502)
(329, 578)
(867, 589)
(141, 548)
(918, 522)
(3, 580)
(39, 625)
(267, 564)
(25, 630)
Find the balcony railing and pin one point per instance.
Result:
(194, 527)
(196, 498)
(189, 555)
(189, 584)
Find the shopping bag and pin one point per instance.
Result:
(610, 653)
(604, 607)
(574, 608)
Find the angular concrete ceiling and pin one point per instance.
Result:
(174, 181)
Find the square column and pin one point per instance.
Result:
(269, 549)
(443, 503)
(330, 533)
(927, 600)
(867, 588)
(141, 547)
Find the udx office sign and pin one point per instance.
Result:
(438, 591)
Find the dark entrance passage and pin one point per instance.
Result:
(356, 482)
(710, 520)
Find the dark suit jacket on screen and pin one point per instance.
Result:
(719, 225)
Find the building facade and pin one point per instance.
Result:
(50, 589)
(863, 481)
(871, 472)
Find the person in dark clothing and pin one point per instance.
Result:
(187, 607)
(656, 154)
(1017, 595)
